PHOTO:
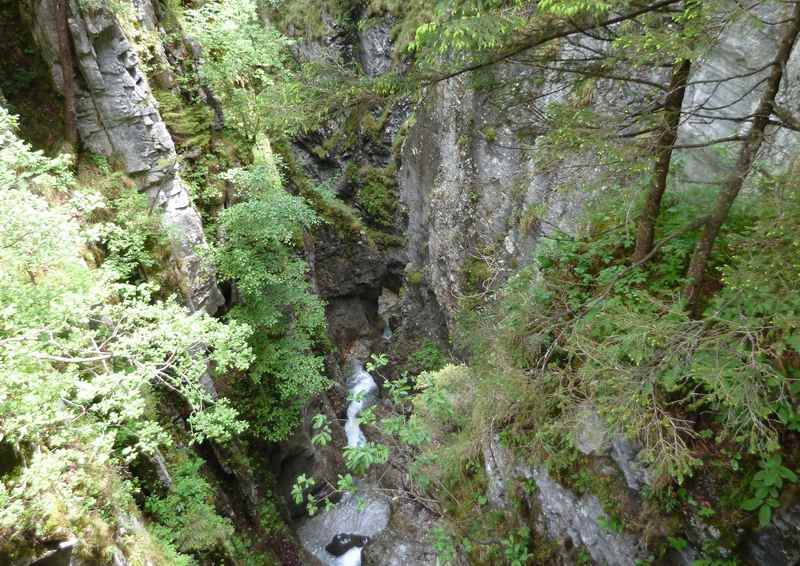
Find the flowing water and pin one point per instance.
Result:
(365, 512)
(363, 392)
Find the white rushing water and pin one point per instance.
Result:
(363, 391)
(363, 513)
(350, 558)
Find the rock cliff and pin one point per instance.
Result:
(118, 117)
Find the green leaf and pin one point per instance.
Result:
(751, 504)
(764, 516)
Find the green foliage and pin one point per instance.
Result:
(360, 458)
(414, 277)
(121, 221)
(245, 63)
(322, 430)
(767, 484)
(376, 362)
(444, 545)
(376, 195)
(516, 547)
(429, 357)
(186, 516)
(257, 253)
(572, 8)
(583, 326)
(118, 7)
(457, 28)
(476, 274)
(81, 358)
(189, 124)
(303, 484)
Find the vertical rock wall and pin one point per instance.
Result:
(477, 195)
(117, 116)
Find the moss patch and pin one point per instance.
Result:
(377, 194)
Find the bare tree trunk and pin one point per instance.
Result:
(65, 55)
(733, 184)
(645, 231)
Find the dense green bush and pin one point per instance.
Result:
(186, 516)
(584, 326)
(81, 356)
(258, 252)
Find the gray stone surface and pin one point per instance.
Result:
(625, 454)
(593, 438)
(466, 185)
(726, 85)
(581, 520)
(591, 433)
(779, 543)
(375, 47)
(565, 516)
(117, 116)
(406, 541)
(467, 179)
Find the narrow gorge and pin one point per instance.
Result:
(382, 283)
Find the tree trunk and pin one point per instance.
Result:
(65, 56)
(645, 231)
(733, 184)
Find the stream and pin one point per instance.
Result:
(337, 536)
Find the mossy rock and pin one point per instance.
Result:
(189, 124)
(377, 196)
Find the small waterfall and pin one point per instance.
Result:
(363, 513)
(364, 391)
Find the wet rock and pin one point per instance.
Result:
(406, 541)
(388, 311)
(365, 513)
(59, 556)
(347, 267)
(352, 319)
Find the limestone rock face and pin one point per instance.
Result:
(580, 519)
(742, 57)
(565, 515)
(474, 200)
(475, 189)
(593, 438)
(117, 116)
